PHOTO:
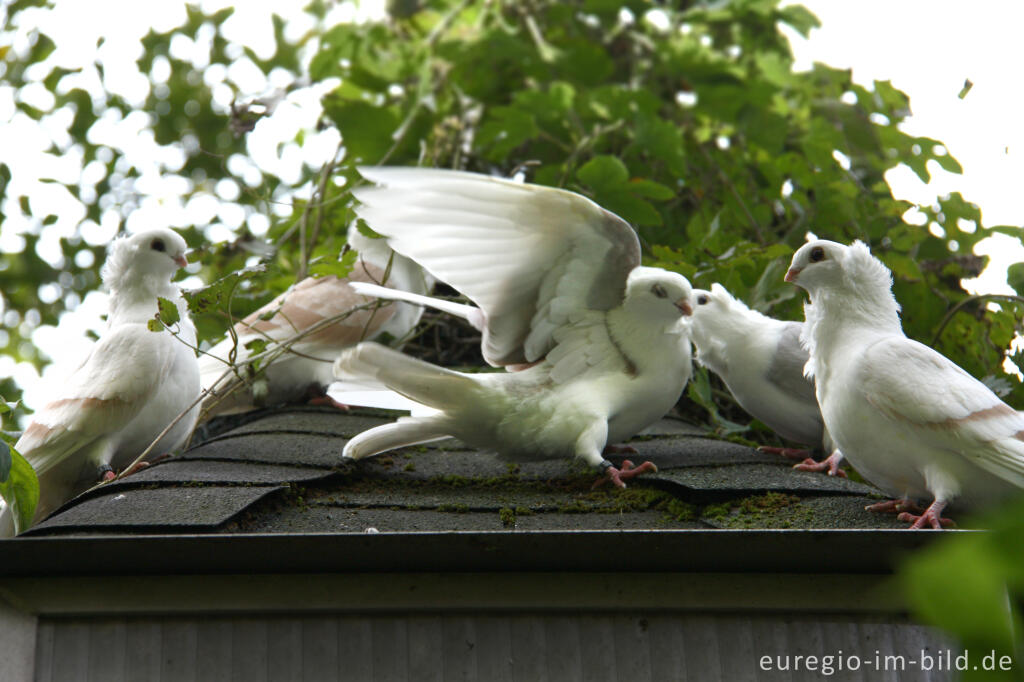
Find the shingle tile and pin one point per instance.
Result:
(187, 509)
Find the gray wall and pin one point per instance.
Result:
(562, 647)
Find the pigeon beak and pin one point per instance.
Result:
(792, 274)
(181, 261)
(684, 306)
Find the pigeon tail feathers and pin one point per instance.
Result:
(417, 380)
(406, 431)
(471, 314)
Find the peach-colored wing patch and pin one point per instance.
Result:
(64, 425)
(314, 300)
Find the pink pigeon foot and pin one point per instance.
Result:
(628, 470)
(107, 474)
(139, 466)
(829, 465)
(620, 450)
(894, 507)
(930, 518)
(789, 453)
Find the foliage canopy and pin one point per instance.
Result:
(690, 123)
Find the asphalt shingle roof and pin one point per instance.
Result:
(280, 471)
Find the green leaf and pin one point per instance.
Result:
(338, 268)
(650, 189)
(966, 89)
(961, 590)
(949, 163)
(629, 207)
(217, 295)
(603, 172)
(366, 130)
(800, 18)
(662, 140)
(699, 388)
(6, 461)
(506, 129)
(585, 62)
(167, 312)
(19, 488)
(256, 346)
(1015, 277)
(154, 325)
(901, 265)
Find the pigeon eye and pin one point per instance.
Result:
(817, 254)
(659, 291)
(702, 299)
(158, 245)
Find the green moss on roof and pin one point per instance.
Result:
(701, 483)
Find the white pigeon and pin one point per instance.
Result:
(134, 383)
(761, 361)
(600, 343)
(306, 370)
(908, 419)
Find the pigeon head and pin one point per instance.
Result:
(845, 278)
(825, 266)
(817, 265)
(714, 305)
(148, 256)
(658, 293)
(717, 299)
(718, 314)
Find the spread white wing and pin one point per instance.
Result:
(534, 259)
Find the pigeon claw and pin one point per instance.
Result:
(628, 470)
(134, 469)
(105, 473)
(894, 507)
(929, 518)
(789, 453)
(829, 465)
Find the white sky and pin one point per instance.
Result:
(926, 47)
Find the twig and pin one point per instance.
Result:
(971, 299)
(325, 174)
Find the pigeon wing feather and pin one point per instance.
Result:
(125, 368)
(944, 405)
(532, 258)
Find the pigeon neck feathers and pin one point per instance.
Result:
(861, 301)
(650, 311)
(864, 296)
(726, 318)
(134, 286)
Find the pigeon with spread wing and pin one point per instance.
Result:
(598, 346)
